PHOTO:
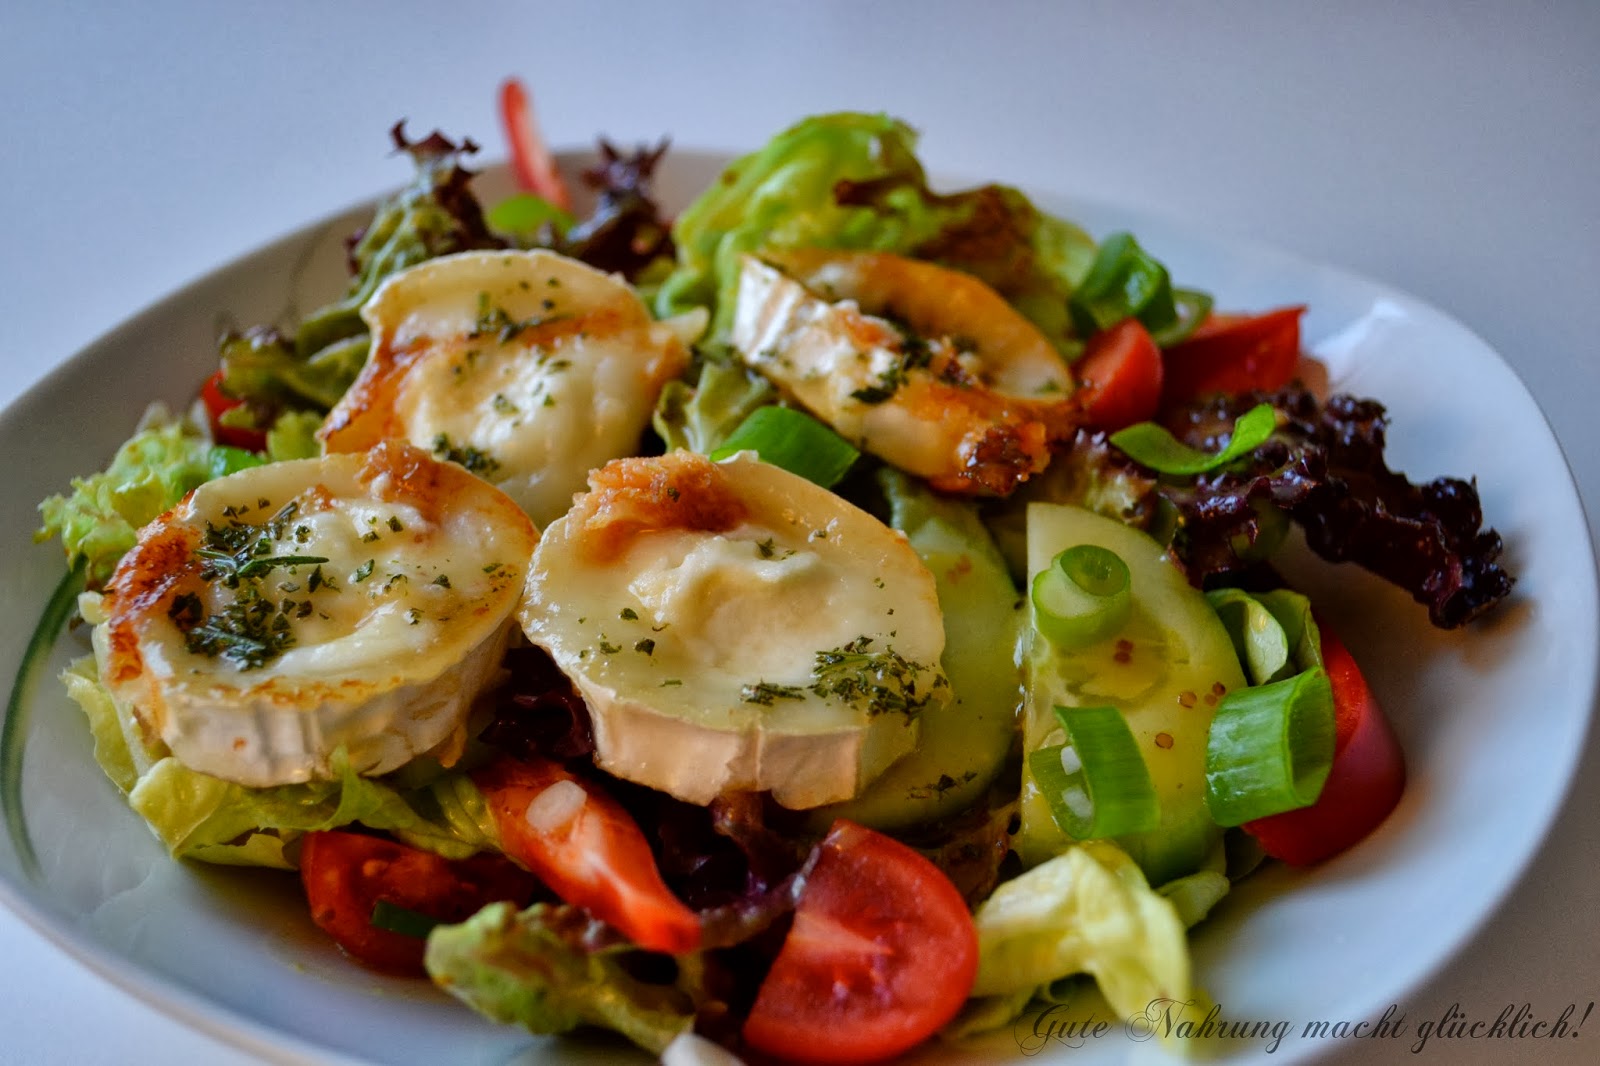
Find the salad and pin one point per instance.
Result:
(839, 617)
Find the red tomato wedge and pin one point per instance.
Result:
(216, 403)
(531, 162)
(587, 849)
(1120, 376)
(1365, 783)
(1233, 353)
(346, 874)
(882, 954)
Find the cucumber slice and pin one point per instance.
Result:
(1165, 668)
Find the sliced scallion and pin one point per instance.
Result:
(793, 440)
(1190, 308)
(1124, 281)
(1258, 637)
(1273, 631)
(402, 920)
(1151, 445)
(1270, 748)
(1083, 596)
(1096, 783)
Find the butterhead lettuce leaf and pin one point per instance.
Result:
(531, 968)
(99, 520)
(853, 181)
(201, 817)
(1090, 911)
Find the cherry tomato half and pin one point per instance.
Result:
(1365, 783)
(881, 955)
(218, 402)
(346, 874)
(1120, 376)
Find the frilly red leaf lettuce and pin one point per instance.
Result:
(626, 232)
(1324, 469)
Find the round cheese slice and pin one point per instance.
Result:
(734, 627)
(287, 611)
(528, 368)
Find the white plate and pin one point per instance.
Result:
(1492, 719)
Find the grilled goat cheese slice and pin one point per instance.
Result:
(528, 368)
(278, 614)
(735, 627)
(925, 367)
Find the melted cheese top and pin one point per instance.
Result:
(528, 368)
(290, 609)
(738, 601)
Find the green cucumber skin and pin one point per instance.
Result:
(1165, 670)
(965, 743)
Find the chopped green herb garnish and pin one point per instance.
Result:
(475, 460)
(319, 580)
(186, 610)
(765, 693)
(249, 632)
(397, 919)
(493, 319)
(885, 681)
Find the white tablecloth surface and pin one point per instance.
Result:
(1451, 150)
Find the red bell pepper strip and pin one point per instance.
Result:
(1231, 353)
(531, 161)
(582, 844)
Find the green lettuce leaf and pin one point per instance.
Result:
(1088, 910)
(434, 215)
(533, 969)
(122, 753)
(265, 369)
(851, 180)
(100, 519)
(294, 436)
(208, 819)
(201, 817)
(702, 416)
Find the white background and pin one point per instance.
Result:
(1448, 149)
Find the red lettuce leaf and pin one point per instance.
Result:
(1324, 469)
